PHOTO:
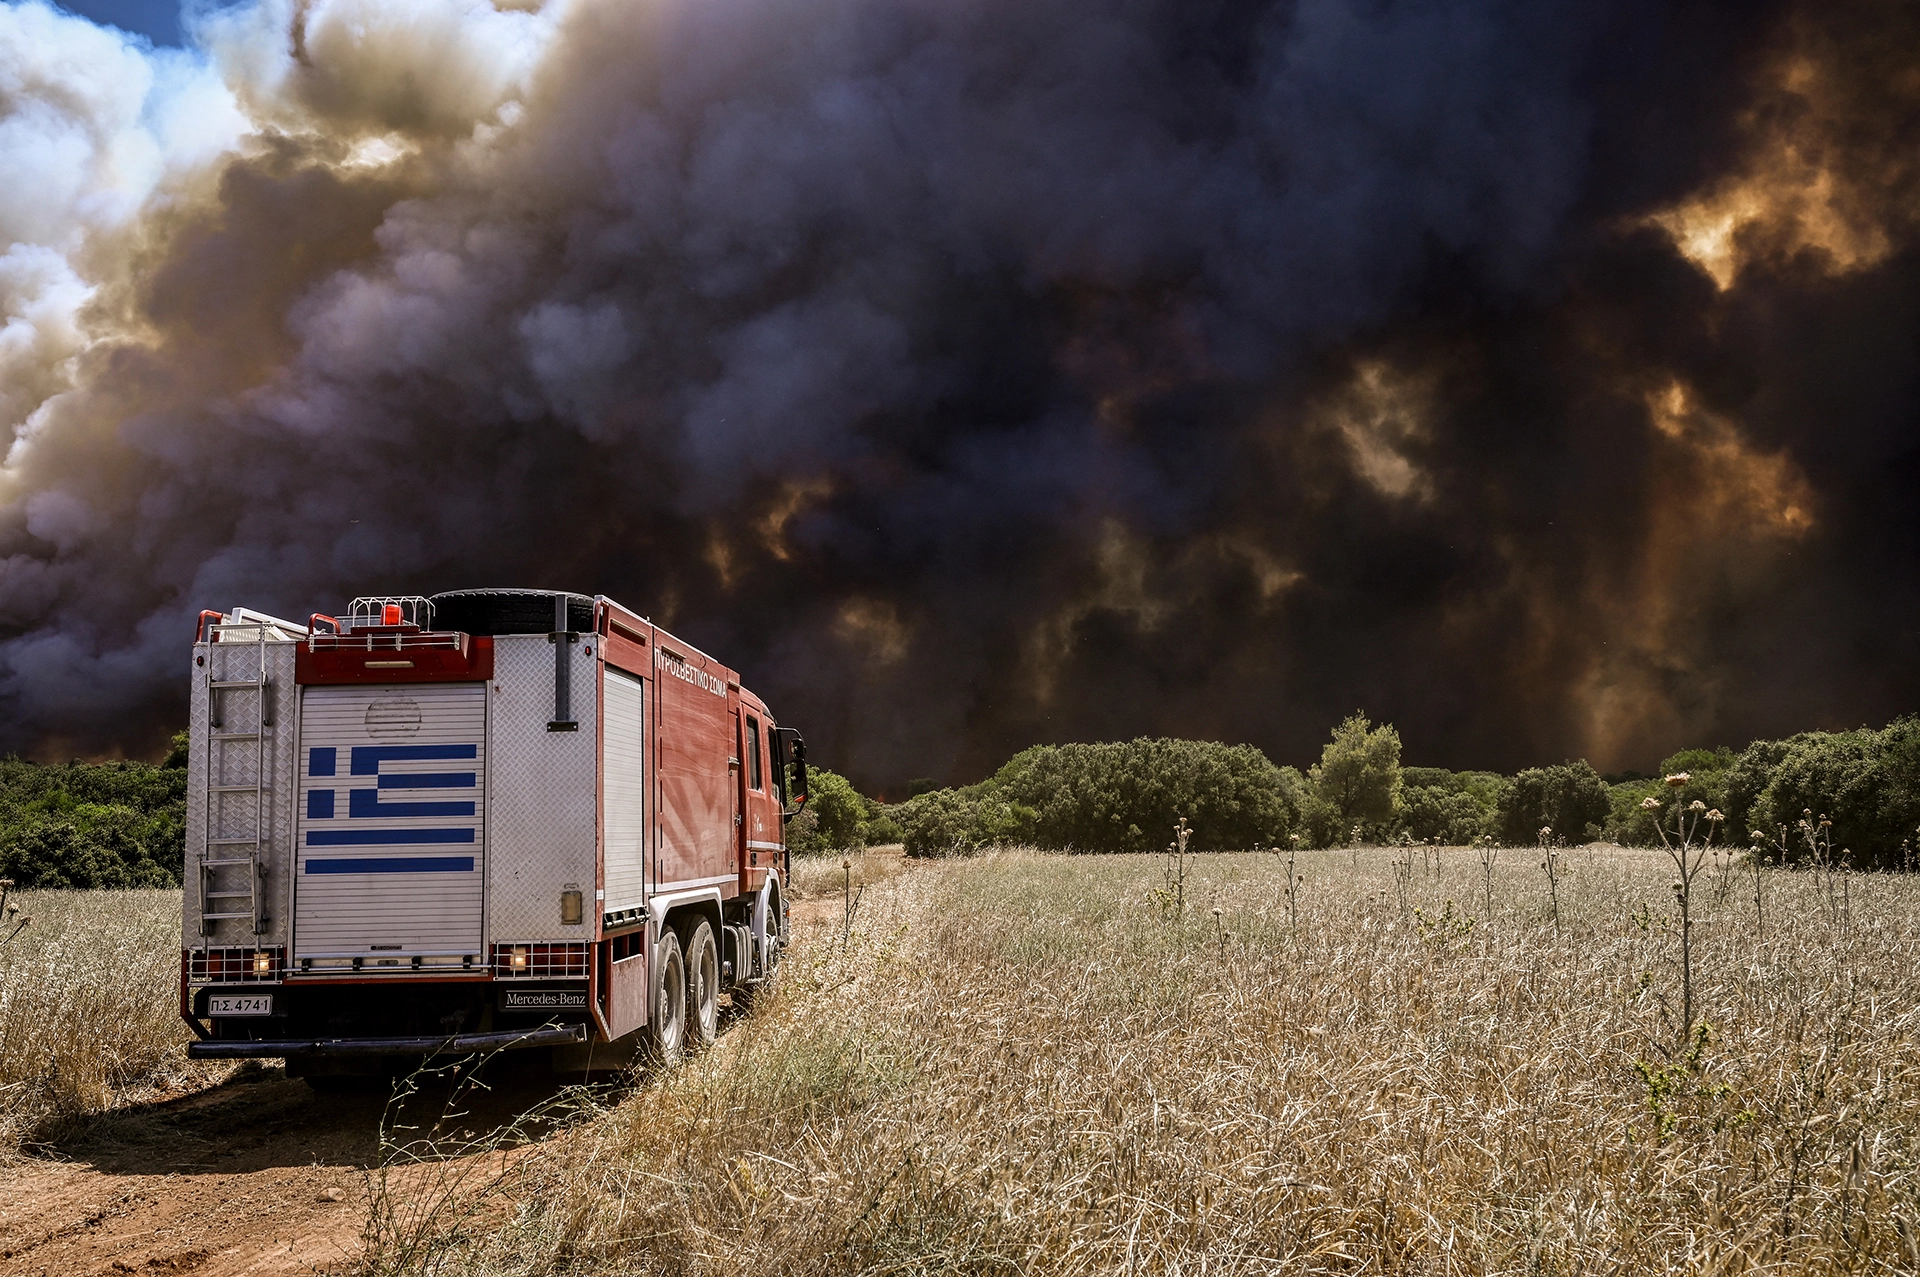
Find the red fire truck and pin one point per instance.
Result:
(487, 819)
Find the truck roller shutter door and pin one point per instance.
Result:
(624, 791)
(392, 831)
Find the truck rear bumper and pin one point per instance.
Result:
(551, 1035)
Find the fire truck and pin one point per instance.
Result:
(485, 820)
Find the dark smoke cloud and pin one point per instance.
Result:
(1541, 377)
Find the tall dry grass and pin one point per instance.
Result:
(89, 1009)
(1020, 1064)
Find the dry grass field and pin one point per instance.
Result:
(1021, 1064)
(90, 1010)
(1024, 1063)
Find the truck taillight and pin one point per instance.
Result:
(233, 965)
(536, 960)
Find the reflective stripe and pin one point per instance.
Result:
(367, 758)
(384, 837)
(393, 865)
(365, 804)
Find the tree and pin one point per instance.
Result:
(1358, 774)
(1570, 798)
(1453, 807)
(89, 846)
(939, 823)
(834, 819)
(1867, 782)
(1454, 817)
(1114, 796)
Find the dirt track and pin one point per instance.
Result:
(259, 1175)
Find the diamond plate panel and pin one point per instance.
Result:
(542, 791)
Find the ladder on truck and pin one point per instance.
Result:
(225, 857)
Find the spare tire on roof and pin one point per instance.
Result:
(507, 611)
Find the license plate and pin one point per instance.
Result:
(240, 1004)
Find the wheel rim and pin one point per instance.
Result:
(706, 984)
(673, 1003)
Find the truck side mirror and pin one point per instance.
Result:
(790, 764)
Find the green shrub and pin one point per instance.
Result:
(1454, 816)
(1867, 782)
(118, 824)
(942, 822)
(835, 817)
(1569, 798)
(1746, 781)
(882, 829)
(1628, 823)
(1454, 807)
(1112, 797)
(90, 847)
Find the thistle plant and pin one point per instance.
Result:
(1551, 863)
(1719, 871)
(1817, 836)
(1403, 877)
(11, 908)
(1755, 859)
(1294, 882)
(1686, 845)
(1176, 867)
(1488, 855)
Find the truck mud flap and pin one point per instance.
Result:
(552, 1035)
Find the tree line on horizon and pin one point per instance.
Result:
(113, 824)
(123, 824)
(1126, 796)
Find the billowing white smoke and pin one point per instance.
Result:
(109, 147)
(94, 124)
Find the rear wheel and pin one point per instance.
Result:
(703, 986)
(770, 919)
(667, 1015)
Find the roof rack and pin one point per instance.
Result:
(390, 609)
(380, 622)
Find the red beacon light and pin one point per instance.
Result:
(390, 614)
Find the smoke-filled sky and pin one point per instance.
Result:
(1542, 377)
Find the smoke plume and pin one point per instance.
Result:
(1541, 377)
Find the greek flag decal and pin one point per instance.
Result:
(377, 797)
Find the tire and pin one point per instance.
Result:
(667, 1012)
(747, 996)
(703, 986)
(507, 611)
